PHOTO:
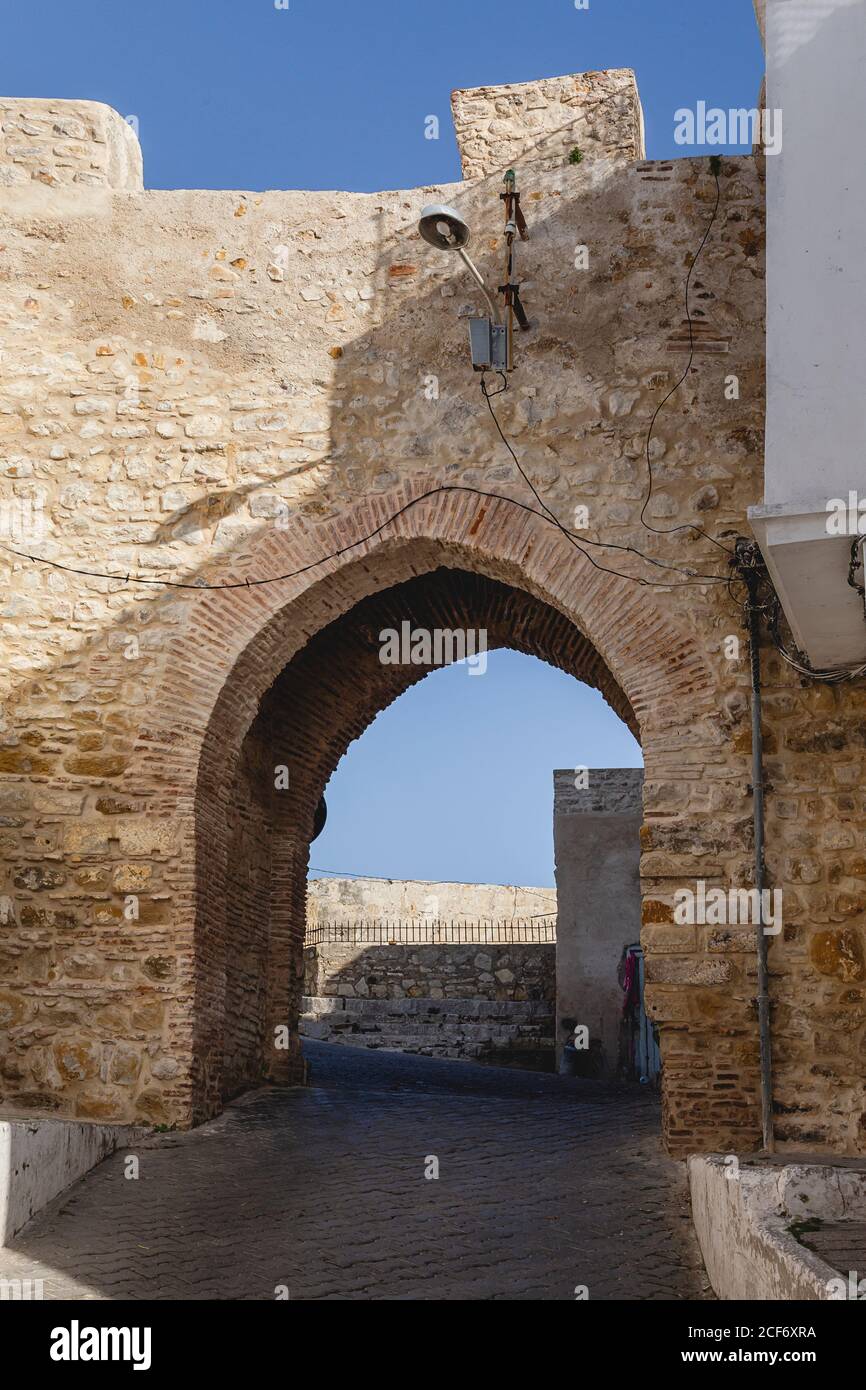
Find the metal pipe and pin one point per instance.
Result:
(510, 182)
(750, 575)
(476, 275)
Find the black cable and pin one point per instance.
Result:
(579, 541)
(854, 564)
(764, 601)
(686, 526)
(334, 555)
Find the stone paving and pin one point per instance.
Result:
(545, 1184)
(843, 1245)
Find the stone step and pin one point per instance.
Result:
(442, 1046)
(510, 1010)
(337, 1023)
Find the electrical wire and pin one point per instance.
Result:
(201, 586)
(827, 675)
(578, 540)
(770, 608)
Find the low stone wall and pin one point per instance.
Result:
(474, 1000)
(405, 971)
(41, 1158)
(751, 1221)
(335, 899)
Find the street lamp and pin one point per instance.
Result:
(444, 228)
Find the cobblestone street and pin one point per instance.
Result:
(544, 1184)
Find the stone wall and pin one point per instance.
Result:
(336, 899)
(596, 836)
(391, 943)
(67, 143)
(597, 113)
(479, 1001)
(224, 387)
(487, 970)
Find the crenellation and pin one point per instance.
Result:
(67, 144)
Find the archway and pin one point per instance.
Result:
(321, 702)
(217, 691)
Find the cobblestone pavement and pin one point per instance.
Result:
(842, 1244)
(544, 1184)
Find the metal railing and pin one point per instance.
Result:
(431, 931)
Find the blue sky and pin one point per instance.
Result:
(448, 783)
(334, 93)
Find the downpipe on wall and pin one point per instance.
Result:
(749, 567)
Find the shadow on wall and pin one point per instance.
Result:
(476, 1000)
(135, 758)
(515, 971)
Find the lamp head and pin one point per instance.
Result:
(443, 228)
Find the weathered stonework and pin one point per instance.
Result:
(408, 970)
(472, 999)
(444, 969)
(390, 900)
(60, 144)
(230, 386)
(597, 113)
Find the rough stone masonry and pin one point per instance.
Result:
(223, 387)
(444, 969)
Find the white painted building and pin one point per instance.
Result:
(816, 321)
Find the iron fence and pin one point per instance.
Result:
(428, 931)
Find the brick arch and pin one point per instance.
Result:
(211, 722)
(322, 701)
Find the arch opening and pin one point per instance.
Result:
(226, 670)
(323, 699)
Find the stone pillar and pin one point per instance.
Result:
(541, 123)
(596, 834)
(67, 144)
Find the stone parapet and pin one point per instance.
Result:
(541, 123)
(68, 144)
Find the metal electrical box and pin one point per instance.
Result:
(489, 344)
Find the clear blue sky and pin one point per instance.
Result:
(334, 93)
(446, 784)
(449, 782)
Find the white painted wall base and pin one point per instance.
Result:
(742, 1225)
(41, 1158)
